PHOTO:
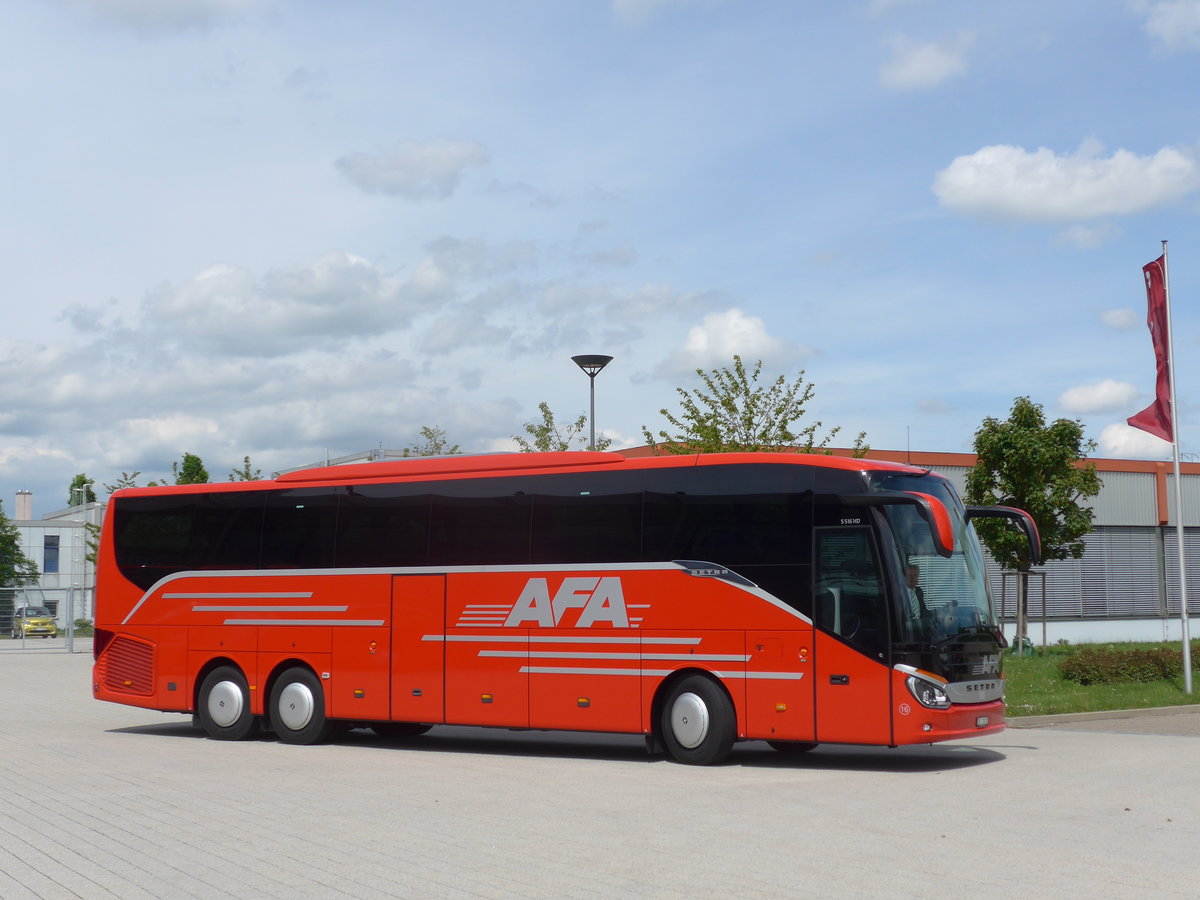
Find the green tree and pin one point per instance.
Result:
(190, 471)
(93, 542)
(245, 473)
(1040, 468)
(127, 480)
(548, 436)
(80, 492)
(433, 443)
(733, 412)
(16, 568)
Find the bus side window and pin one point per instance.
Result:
(850, 599)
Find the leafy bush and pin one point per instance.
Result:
(83, 627)
(1107, 665)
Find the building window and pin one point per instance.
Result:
(50, 555)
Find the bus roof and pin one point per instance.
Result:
(496, 464)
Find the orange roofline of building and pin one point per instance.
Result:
(928, 458)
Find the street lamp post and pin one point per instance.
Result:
(592, 363)
(77, 593)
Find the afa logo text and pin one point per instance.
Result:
(579, 602)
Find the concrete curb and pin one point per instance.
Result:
(1068, 718)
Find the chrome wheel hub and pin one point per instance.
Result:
(295, 706)
(225, 703)
(689, 720)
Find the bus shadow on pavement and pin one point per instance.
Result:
(848, 758)
(631, 748)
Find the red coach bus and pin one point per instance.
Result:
(697, 600)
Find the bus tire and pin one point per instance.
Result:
(792, 748)
(697, 722)
(223, 705)
(394, 730)
(298, 708)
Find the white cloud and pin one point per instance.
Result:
(919, 66)
(226, 310)
(715, 341)
(1089, 237)
(476, 258)
(464, 329)
(1120, 319)
(1125, 442)
(163, 16)
(415, 171)
(1105, 396)
(1175, 23)
(1009, 182)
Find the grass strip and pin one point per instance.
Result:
(1034, 686)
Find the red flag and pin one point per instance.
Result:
(1156, 418)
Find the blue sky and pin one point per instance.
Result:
(282, 229)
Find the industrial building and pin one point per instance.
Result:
(59, 543)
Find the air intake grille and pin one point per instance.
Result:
(128, 666)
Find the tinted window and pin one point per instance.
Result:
(153, 537)
(587, 527)
(479, 522)
(733, 515)
(851, 597)
(227, 530)
(383, 525)
(50, 555)
(299, 528)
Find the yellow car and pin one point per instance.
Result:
(34, 621)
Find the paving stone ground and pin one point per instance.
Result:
(106, 801)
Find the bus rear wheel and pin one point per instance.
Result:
(697, 721)
(298, 708)
(223, 705)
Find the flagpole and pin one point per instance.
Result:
(1183, 597)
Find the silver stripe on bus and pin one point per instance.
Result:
(565, 670)
(239, 608)
(333, 622)
(570, 654)
(241, 595)
(545, 639)
(578, 670)
(772, 676)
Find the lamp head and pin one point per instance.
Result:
(591, 363)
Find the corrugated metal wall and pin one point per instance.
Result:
(1129, 568)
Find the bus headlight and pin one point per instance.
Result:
(927, 693)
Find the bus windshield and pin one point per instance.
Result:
(942, 598)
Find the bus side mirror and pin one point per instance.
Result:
(1023, 520)
(930, 508)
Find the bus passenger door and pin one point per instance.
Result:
(851, 642)
(418, 648)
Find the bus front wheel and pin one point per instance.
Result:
(298, 708)
(697, 723)
(223, 705)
